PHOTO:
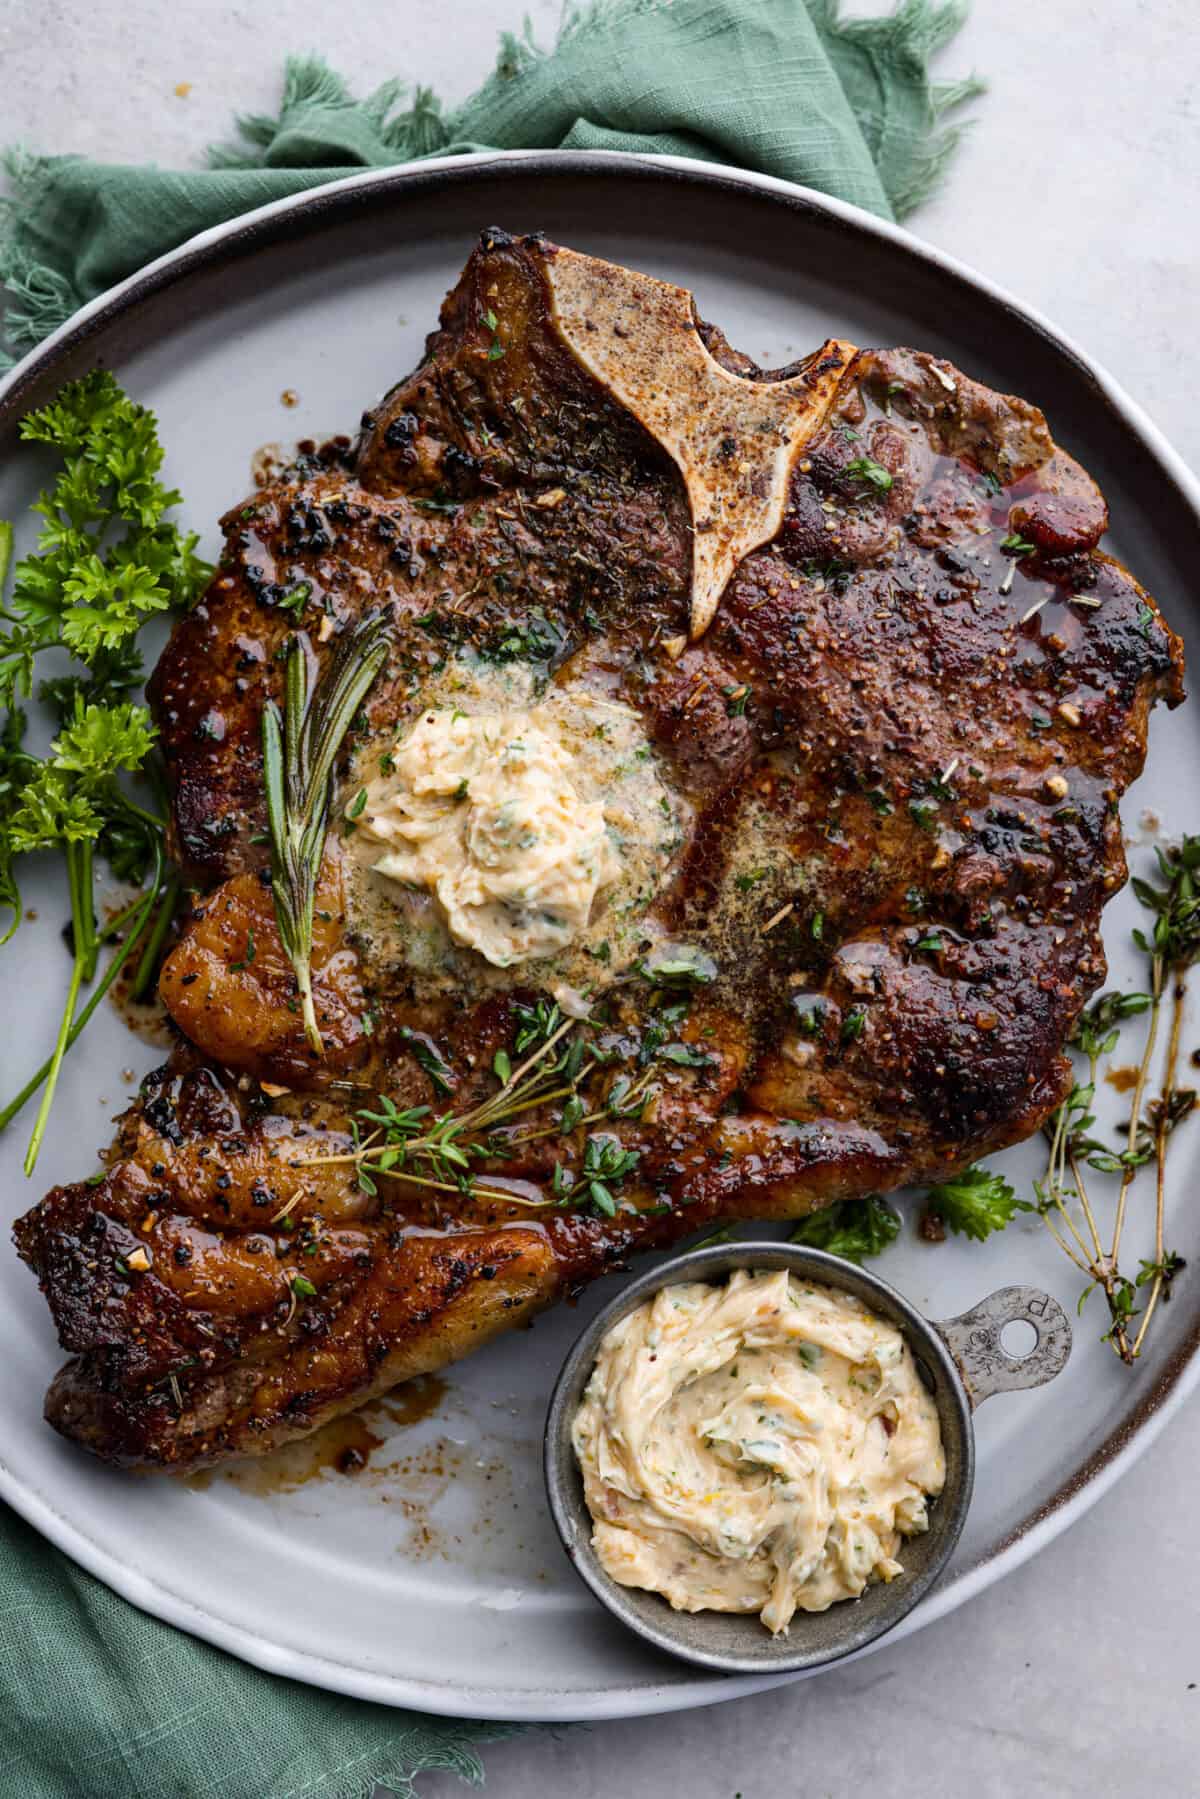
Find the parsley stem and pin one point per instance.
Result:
(56, 1060)
(148, 818)
(79, 877)
(148, 960)
(81, 870)
(114, 968)
(114, 928)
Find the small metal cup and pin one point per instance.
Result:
(962, 1361)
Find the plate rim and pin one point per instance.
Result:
(1111, 1458)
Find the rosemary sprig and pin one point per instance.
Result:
(299, 750)
(1172, 947)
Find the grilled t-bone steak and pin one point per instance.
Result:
(860, 830)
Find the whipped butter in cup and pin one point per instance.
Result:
(763, 1445)
(751, 1434)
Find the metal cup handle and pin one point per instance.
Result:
(973, 1339)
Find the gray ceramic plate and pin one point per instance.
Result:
(435, 1579)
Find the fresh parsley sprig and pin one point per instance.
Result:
(74, 802)
(299, 750)
(853, 1228)
(107, 559)
(16, 768)
(975, 1203)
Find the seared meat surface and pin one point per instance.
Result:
(894, 762)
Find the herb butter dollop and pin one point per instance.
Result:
(759, 1446)
(468, 861)
(483, 811)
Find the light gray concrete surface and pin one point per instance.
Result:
(1077, 187)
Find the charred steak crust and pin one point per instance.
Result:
(901, 747)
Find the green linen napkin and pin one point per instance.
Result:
(783, 86)
(101, 1700)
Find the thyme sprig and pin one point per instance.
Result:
(299, 750)
(443, 1150)
(428, 1150)
(1171, 946)
(606, 1163)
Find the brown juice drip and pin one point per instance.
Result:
(343, 1446)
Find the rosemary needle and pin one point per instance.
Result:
(299, 750)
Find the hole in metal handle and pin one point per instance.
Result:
(1019, 1338)
(976, 1341)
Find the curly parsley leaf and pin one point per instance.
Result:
(101, 741)
(72, 795)
(109, 676)
(16, 766)
(853, 1228)
(107, 558)
(975, 1203)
